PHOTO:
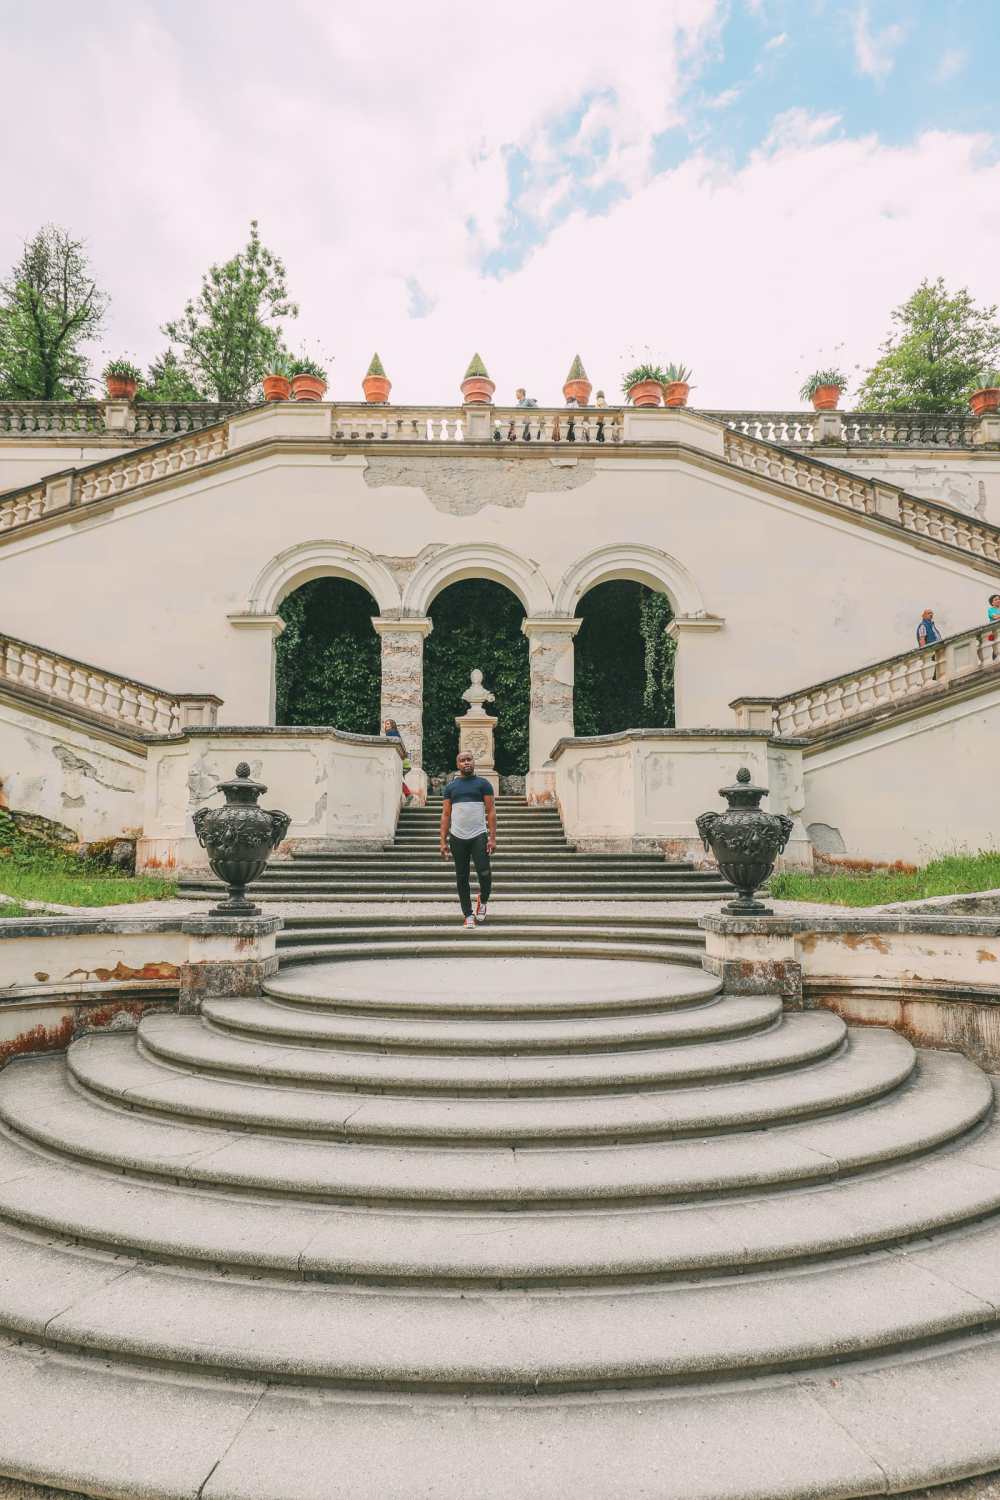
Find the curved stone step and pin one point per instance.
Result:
(874, 1063)
(798, 1041)
(480, 943)
(518, 985)
(477, 1246)
(529, 1340)
(944, 1099)
(732, 1015)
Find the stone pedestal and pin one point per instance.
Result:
(226, 956)
(551, 665)
(475, 734)
(403, 679)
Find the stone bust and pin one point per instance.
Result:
(476, 695)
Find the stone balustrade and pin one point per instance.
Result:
(141, 421)
(885, 685)
(32, 419)
(132, 706)
(925, 518)
(156, 419)
(457, 424)
(859, 429)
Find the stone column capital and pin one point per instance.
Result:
(694, 623)
(414, 624)
(272, 623)
(553, 624)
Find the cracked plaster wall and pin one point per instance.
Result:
(973, 489)
(68, 775)
(551, 663)
(464, 486)
(403, 687)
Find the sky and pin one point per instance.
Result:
(746, 186)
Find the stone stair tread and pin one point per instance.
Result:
(528, 1339)
(482, 944)
(877, 1428)
(846, 1217)
(874, 1063)
(448, 927)
(514, 984)
(730, 1015)
(797, 1042)
(945, 1098)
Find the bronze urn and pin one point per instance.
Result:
(238, 839)
(746, 841)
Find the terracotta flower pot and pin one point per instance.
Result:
(826, 397)
(578, 391)
(675, 393)
(646, 393)
(987, 399)
(277, 387)
(478, 390)
(308, 387)
(376, 389)
(119, 389)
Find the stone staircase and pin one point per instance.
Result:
(533, 860)
(496, 1223)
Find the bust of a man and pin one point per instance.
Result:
(476, 695)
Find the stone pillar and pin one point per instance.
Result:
(695, 673)
(251, 698)
(550, 661)
(403, 679)
(226, 956)
(475, 734)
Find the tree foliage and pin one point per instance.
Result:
(167, 380)
(229, 334)
(329, 666)
(50, 306)
(941, 345)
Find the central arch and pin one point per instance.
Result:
(477, 560)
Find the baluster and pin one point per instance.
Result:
(78, 686)
(129, 704)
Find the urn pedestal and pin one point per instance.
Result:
(238, 839)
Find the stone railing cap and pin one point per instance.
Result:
(785, 924)
(207, 926)
(625, 736)
(271, 731)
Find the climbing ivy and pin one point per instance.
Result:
(477, 623)
(329, 667)
(328, 663)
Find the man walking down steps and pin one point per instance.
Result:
(469, 832)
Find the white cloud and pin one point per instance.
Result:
(724, 100)
(873, 50)
(951, 64)
(797, 127)
(775, 42)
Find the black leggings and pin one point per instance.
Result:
(462, 851)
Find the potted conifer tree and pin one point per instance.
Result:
(376, 384)
(577, 386)
(477, 387)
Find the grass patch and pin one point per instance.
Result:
(9, 909)
(33, 870)
(857, 883)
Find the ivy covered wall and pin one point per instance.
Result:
(329, 663)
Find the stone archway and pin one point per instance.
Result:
(637, 564)
(486, 560)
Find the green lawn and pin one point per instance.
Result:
(9, 910)
(950, 875)
(32, 870)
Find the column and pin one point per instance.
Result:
(550, 661)
(403, 678)
(699, 676)
(249, 682)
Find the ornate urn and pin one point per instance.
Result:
(746, 841)
(238, 838)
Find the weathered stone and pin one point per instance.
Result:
(464, 486)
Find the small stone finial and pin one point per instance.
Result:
(242, 770)
(743, 774)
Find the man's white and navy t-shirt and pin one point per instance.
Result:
(468, 810)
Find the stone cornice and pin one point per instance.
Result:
(631, 736)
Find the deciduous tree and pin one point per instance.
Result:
(50, 307)
(941, 345)
(230, 332)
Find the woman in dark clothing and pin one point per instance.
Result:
(391, 731)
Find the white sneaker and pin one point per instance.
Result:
(480, 910)
(470, 922)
